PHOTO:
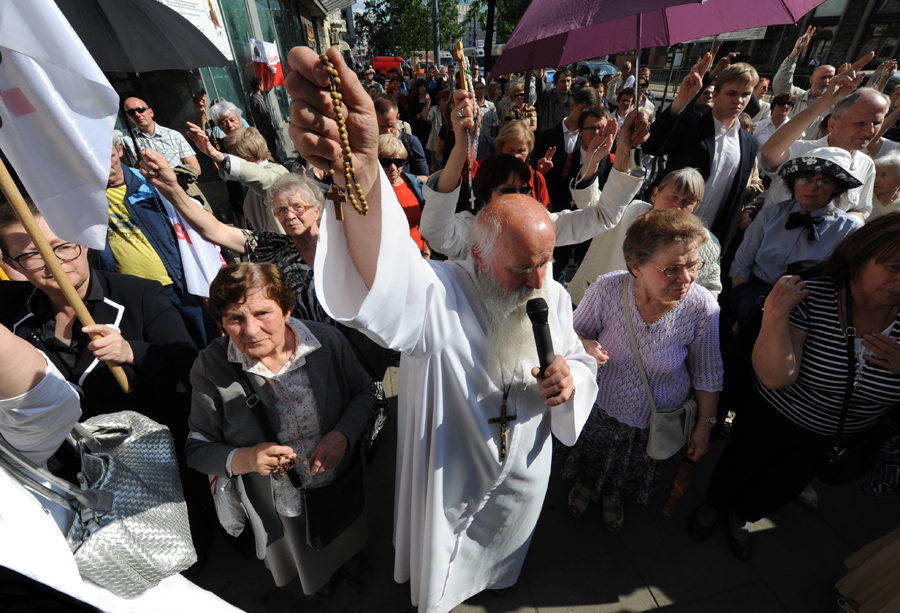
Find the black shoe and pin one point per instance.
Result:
(740, 549)
(698, 531)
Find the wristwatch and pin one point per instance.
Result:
(710, 420)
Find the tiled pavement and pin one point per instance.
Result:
(576, 566)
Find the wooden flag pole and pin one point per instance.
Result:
(15, 199)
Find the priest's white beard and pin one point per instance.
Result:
(508, 334)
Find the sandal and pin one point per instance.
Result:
(808, 498)
(613, 515)
(579, 499)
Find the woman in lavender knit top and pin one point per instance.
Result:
(675, 323)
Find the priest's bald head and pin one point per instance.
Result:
(512, 242)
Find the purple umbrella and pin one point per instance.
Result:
(540, 45)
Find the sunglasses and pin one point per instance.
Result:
(388, 162)
(787, 104)
(511, 189)
(136, 110)
(519, 96)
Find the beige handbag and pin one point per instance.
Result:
(670, 429)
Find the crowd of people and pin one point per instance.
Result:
(735, 252)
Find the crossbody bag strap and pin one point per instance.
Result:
(634, 346)
(836, 451)
(258, 409)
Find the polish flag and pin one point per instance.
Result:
(266, 63)
(57, 113)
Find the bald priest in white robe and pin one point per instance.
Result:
(464, 513)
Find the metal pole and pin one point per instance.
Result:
(437, 33)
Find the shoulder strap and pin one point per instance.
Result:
(836, 451)
(257, 407)
(634, 347)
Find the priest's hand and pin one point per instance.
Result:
(314, 129)
(108, 345)
(264, 458)
(557, 383)
(328, 453)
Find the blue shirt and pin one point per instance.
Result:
(768, 248)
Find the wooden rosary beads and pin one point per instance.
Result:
(358, 200)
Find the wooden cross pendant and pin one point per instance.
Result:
(337, 196)
(503, 420)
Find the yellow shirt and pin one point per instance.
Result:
(133, 252)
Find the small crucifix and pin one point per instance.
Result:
(337, 196)
(503, 420)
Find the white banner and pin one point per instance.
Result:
(206, 15)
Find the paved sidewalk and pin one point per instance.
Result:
(576, 566)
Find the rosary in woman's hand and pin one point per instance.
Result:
(285, 464)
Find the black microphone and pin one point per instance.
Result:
(537, 312)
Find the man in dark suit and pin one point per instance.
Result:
(555, 144)
(713, 143)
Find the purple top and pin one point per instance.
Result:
(679, 351)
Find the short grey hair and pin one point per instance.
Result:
(223, 107)
(484, 235)
(308, 190)
(841, 108)
(891, 159)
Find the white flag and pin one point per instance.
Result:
(200, 259)
(57, 112)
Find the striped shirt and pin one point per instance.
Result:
(815, 400)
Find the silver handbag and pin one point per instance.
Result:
(131, 526)
(670, 429)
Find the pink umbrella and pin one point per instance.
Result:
(540, 45)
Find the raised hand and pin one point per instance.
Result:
(691, 84)
(842, 86)
(635, 130)
(463, 116)
(803, 41)
(546, 163)
(197, 135)
(603, 141)
(723, 63)
(314, 129)
(861, 62)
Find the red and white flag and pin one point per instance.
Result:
(57, 113)
(266, 63)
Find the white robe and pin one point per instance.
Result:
(463, 520)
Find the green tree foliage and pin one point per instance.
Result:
(402, 27)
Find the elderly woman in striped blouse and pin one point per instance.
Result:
(827, 368)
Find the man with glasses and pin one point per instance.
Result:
(138, 326)
(150, 135)
(855, 119)
(780, 111)
(557, 143)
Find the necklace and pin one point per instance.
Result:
(647, 324)
(337, 195)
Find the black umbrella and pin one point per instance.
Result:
(139, 36)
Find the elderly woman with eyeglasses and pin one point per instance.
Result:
(391, 154)
(676, 330)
